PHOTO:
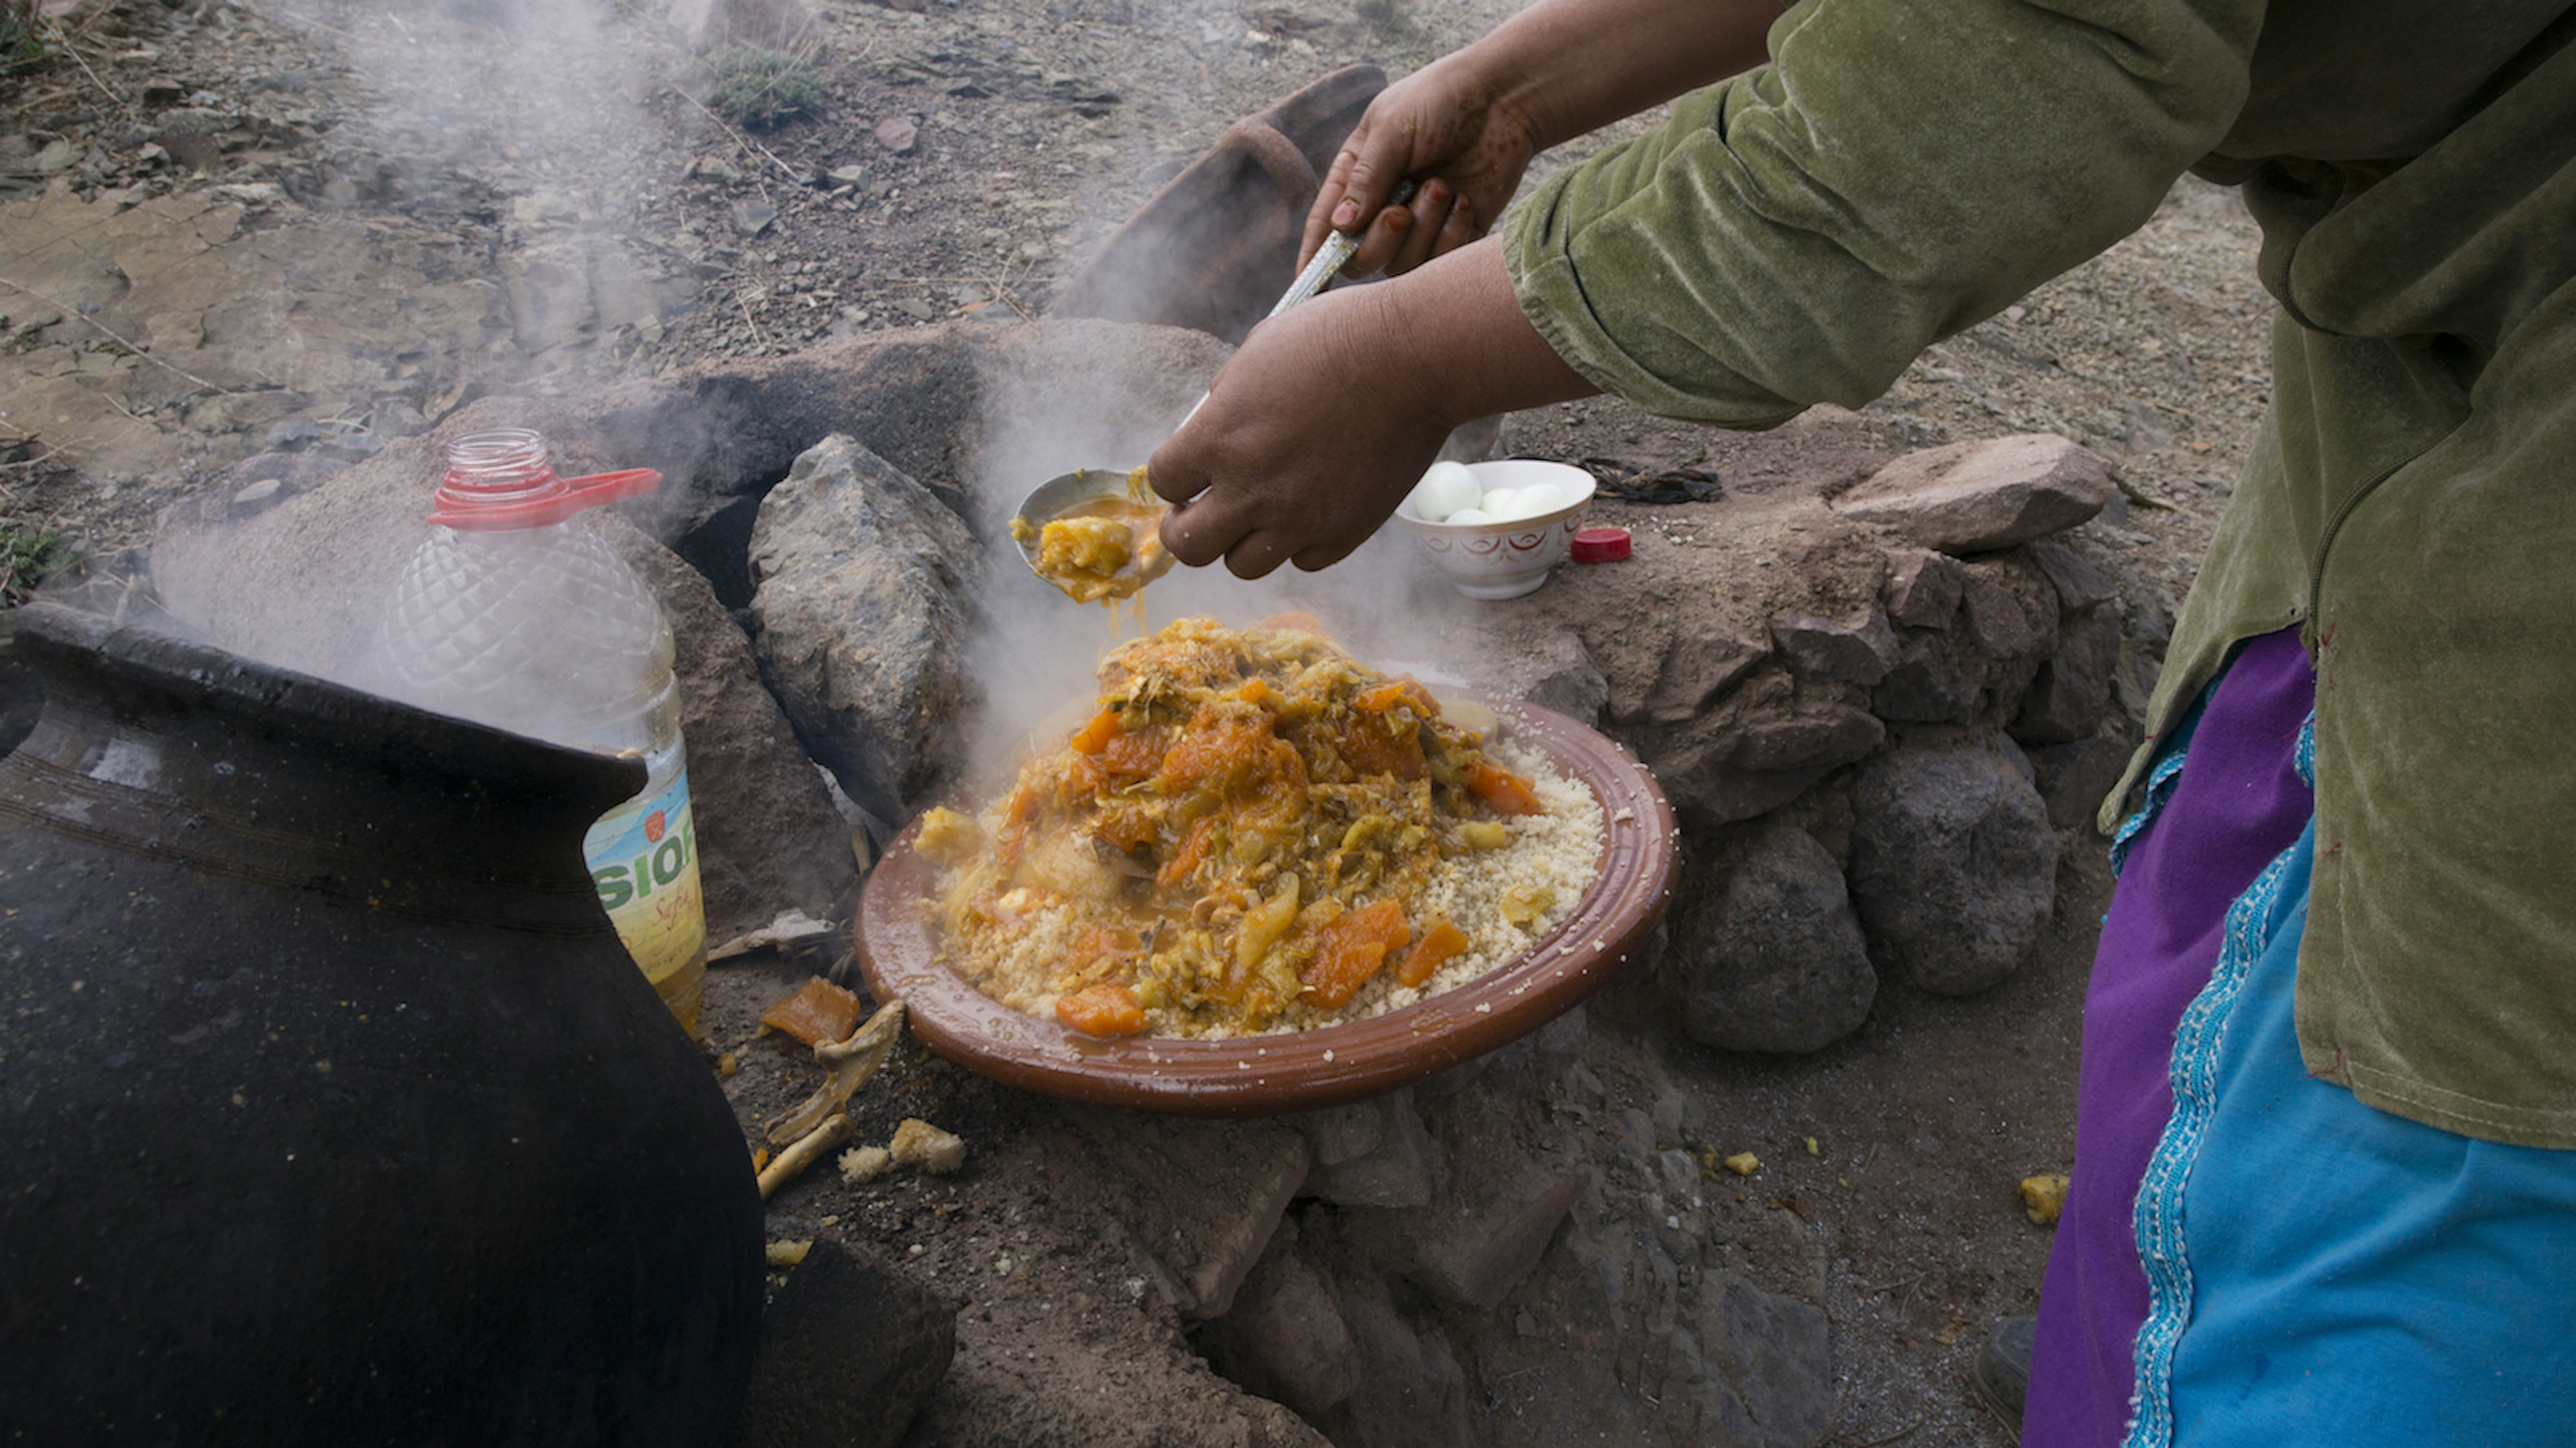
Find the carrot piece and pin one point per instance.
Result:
(1502, 791)
(1296, 618)
(1254, 691)
(814, 1012)
(1351, 950)
(1393, 692)
(1093, 737)
(1439, 945)
(1105, 1009)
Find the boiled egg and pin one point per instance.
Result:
(1516, 504)
(1445, 490)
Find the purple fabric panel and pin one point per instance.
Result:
(2237, 804)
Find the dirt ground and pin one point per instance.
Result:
(236, 229)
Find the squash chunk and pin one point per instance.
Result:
(1222, 749)
(1095, 736)
(1264, 925)
(1502, 791)
(1439, 945)
(1192, 853)
(1106, 1009)
(1137, 753)
(814, 1012)
(1350, 950)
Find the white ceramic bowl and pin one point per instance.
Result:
(1505, 560)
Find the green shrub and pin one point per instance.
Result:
(25, 559)
(760, 88)
(22, 34)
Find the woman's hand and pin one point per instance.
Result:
(1309, 438)
(1329, 413)
(1465, 127)
(1445, 126)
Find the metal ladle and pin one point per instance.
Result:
(1051, 498)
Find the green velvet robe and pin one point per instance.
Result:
(1902, 170)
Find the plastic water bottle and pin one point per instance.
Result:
(515, 614)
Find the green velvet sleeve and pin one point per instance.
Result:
(1901, 170)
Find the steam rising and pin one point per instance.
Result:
(1039, 651)
(546, 112)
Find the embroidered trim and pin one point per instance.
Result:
(2158, 1216)
(2304, 758)
(2160, 787)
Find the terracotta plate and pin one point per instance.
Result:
(1253, 1076)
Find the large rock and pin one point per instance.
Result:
(863, 590)
(2079, 581)
(1285, 1339)
(1558, 673)
(1954, 864)
(1976, 497)
(769, 839)
(2075, 778)
(1922, 588)
(2009, 614)
(1776, 1353)
(1939, 678)
(849, 1349)
(1472, 1254)
(1203, 1197)
(1413, 1394)
(2072, 691)
(1857, 650)
(22, 698)
(1698, 669)
(1997, 623)
(1776, 961)
(1372, 1154)
(1733, 764)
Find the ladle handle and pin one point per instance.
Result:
(1329, 258)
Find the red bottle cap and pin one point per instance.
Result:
(500, 482)
(1600, 545)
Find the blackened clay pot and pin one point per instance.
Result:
(331, 1110)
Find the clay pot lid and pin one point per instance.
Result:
(1254, 1076)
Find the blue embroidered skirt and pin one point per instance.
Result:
(2250, 1256)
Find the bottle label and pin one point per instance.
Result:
(644, 860)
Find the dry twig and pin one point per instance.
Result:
(740, 139)
(742, 299)
(74, 52)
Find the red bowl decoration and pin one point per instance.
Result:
(1258, 1075)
